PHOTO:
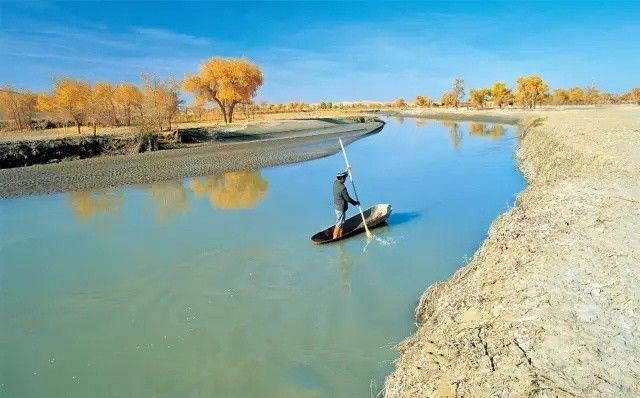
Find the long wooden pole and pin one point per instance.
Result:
(353, 185)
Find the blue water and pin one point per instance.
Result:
(210, 287)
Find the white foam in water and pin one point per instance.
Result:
(383, 241)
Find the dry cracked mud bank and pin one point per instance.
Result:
(550, 303)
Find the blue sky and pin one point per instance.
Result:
(312, 51)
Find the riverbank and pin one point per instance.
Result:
(550, 303)
(217, 149)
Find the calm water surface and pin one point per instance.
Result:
(210, 287)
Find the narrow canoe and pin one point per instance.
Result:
(376, 216)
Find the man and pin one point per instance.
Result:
(340, 199)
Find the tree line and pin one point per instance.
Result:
(154, 104)
(530, 92)
(223, 85)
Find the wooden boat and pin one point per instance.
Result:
(376, 216)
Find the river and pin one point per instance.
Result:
(210, 287)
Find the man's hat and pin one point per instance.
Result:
(342, 174)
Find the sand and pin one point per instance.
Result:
(265, 144)
(550, 303)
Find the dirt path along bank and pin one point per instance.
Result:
(550, 303)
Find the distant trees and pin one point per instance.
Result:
(128, 98)
(70, 100)
(576, 95)
(226, 82)
(530, 91)
(17, 106)
(632, 95)
(559, 97)
(500, 94)
(458, 91)
(455, 95)
(479, 96)
(161, 99)
(399, 103)
(423, 101)
(448, 99)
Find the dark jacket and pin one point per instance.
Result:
(341, 197)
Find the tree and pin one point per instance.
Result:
(161, 100)
(225, 81)
(18, 106)
(632, 96)
(399, 103)
(478, 96)
(127, 98)
(559, 97)
(448, 99)
(500, 93)
(530, 91)
(423, 101)
(592, 95)
(576, 95)
(70, 100)
(102, 108)
(458, 91)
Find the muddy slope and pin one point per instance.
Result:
(267, 145)
(550, 303)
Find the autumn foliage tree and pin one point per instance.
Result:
(500, 94)
(530, 91)
(69, 101)
(18, 106)
(448, 99)
(226, 82)
(161, 100)
(479, 96)
(399, 103)
(423, 101)
(128, 98)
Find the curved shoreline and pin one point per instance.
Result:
(269, 144)
(550, 303)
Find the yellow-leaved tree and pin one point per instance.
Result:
(479, 96)
(530, 91)
(423, 101)
(398, 103)
(576, 95)
(500, 94)
(102, 107)
(592, 95)
(161, 101)
(559, 97)
(448, 99)
(128, 98)
(70, 101)
(18, 106)
(225, 81)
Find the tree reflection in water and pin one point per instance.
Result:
(455, 135)
(232, 190)
(169, 200)
(87, 204)
(482, 129)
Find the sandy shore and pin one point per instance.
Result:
(251, 147)
(550, 303)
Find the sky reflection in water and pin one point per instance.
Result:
(210, 287)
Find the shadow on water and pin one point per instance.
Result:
(403, 218)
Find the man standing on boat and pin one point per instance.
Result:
(341, 199)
